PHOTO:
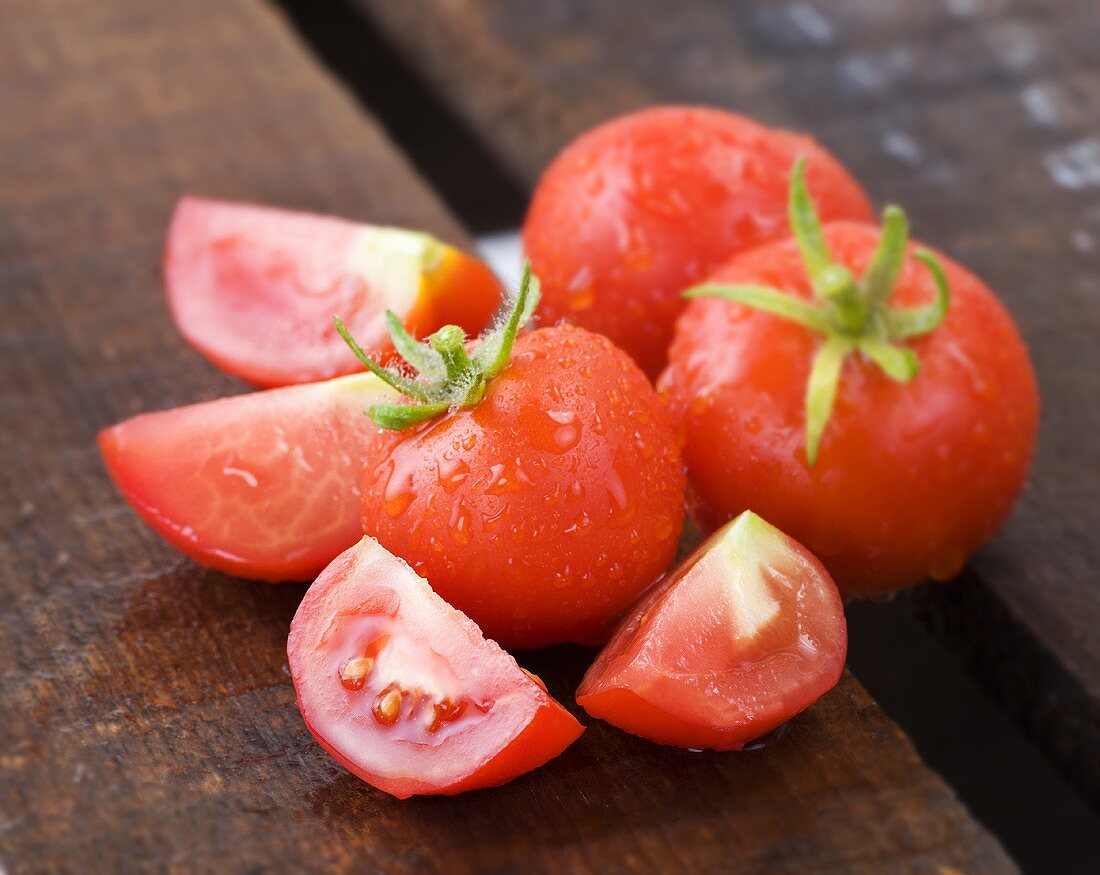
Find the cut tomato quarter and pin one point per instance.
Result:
(404, 690)
(254, 289)
(745, 634)
(263, 486)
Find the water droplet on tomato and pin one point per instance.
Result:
(663, 529)
(460, 524)
(581, 525)
(452, 473)
(398, 504)
(566, 437)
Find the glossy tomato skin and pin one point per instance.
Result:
(910, 478)
(646, 205)
(543, 511)
(405, 692)
(263, 485)
(745, 634)
(254, 289)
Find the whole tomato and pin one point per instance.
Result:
(886, 422)
(643, 206)
(541, 494)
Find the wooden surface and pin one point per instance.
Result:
(149, 720)
(982, 118)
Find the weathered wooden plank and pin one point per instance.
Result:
(982, 117)
(149, 720)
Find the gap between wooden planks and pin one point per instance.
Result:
(149, 719)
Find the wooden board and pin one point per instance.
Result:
(149, 720)
(982, 118)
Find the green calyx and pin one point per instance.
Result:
(447, 377)
(852, 314)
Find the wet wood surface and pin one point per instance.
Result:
(149, 720)
(981, 118)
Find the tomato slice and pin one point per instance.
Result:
(405, 692)
(263, 485)
(254, 289)
(745, 634)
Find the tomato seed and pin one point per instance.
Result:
(355, 671)
(387, 706)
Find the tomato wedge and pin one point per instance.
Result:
(263, 486)
(254, 289)
(745, 634)
(405, 692)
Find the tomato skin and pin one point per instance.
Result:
(543, 511)
(263, 486)
(509, 726)
(742, 636)
(911, 478)
(254, 289)
(644, 206)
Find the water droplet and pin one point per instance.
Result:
(566, 437)
(398, 504)
(460, 524)
(453, 474)
(582, 525)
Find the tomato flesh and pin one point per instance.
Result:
(254, 289)
(745, 634)
(262, 486)
(404, 690)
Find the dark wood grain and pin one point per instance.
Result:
(149, 720)
(981, 117)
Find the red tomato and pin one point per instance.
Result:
(255, 289)
(640, 208)
(405, 692)
(545, 509)
(911, 477)
(745, 634)
(261, 486)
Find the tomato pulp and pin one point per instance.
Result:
(264, 485)
(405, 692)
(254, 289)
(746, 633)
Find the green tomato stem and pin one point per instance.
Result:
(449, 377)
(852, 315)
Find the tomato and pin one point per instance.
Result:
(262, 485)
(642, 207)
(255, 289)
(405, 692)
(914, 471)
(745, 634)
(545, 509)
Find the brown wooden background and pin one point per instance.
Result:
(149, 718)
